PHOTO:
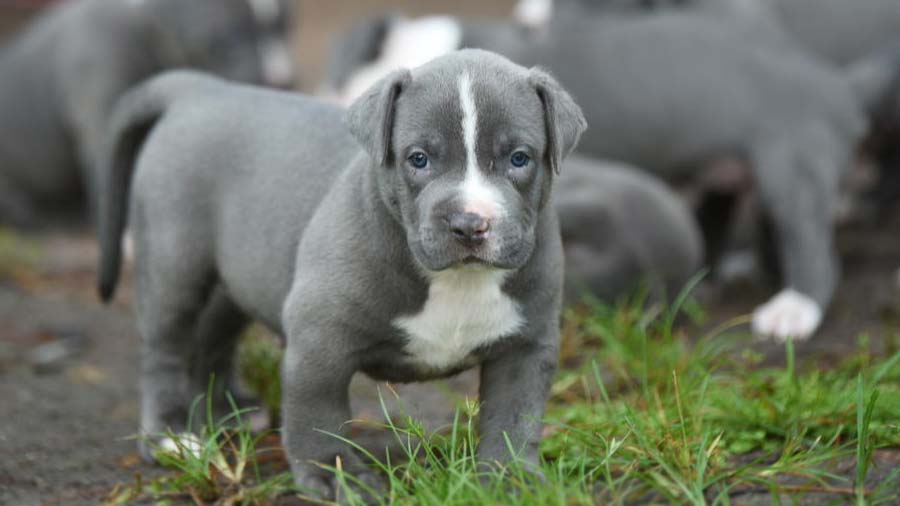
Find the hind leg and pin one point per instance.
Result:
(174, 281)
(216, 338)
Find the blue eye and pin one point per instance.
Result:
(418, 160)
(519, 159)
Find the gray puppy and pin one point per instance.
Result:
(430, 250)
(674, 92)
(61, 76)
(622, 227)
(840, 31)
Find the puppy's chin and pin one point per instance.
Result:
(436, 261)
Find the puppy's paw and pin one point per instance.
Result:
(323, 484)
(367, 484)
(788, 315)
(314, 484)
(183, 444)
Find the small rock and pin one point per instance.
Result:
(50, 357)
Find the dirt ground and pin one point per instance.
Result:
(64, 423)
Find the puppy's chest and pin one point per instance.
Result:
(464, 311)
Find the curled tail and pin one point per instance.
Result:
(135, 115)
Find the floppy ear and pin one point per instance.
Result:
(563, 118)
(371, 117)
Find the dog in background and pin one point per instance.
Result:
(61, 76)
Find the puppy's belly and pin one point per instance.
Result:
(400, 367)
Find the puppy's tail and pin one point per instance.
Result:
(132, 120)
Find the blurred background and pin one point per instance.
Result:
(317, 24)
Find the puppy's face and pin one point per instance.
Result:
(242, 40)
(468, 144)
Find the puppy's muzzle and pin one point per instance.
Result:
(469, 229)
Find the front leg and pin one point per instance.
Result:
(799, 190)
(316, 407)
(514, 388)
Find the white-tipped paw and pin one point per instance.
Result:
(788, 315)
(181, 444)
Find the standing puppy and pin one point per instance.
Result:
(61, 76)
(431, 250)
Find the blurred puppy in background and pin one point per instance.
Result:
(622, 227)
(840, 31)
(861, 37)
(60, 77)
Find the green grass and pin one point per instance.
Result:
(259, 365)
(219, 465)
(639, 414)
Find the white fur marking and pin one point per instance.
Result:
(479, 196)
(408, 44)
(187, 442)
(533, 13)
(265, 11)
(278, 69)
(465, 309)
(788, 315)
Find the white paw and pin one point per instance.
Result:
(788, 315)
(533, 13)
(181, 444)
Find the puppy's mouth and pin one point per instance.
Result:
(474, 260)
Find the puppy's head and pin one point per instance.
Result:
(466, 147)
(243, 40)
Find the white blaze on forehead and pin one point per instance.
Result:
(265, 11)
(479, 196)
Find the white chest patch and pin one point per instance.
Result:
(465, 309)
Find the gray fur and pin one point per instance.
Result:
(839, 31)
(61, 76)
(266, 198)
(622, 227)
